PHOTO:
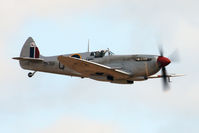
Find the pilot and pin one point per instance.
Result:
(102, 53)
(99, 54)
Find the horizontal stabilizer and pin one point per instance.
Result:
(28, 59)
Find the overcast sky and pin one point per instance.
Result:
(49, 103)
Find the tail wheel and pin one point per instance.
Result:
(31, 74)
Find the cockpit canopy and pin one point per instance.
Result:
(101, 53)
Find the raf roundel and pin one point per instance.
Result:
(76, 56)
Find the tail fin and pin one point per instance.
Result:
(30, 49)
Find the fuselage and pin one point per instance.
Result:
(139, 66)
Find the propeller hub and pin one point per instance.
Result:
(163, 61)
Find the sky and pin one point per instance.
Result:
(49, 103)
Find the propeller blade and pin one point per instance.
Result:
(165, 79)
(174, 56)
(161, 50)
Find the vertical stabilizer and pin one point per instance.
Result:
(30, 49)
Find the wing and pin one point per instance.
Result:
(88, 68)
(169, 76)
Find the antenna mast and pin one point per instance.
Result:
(88, 45)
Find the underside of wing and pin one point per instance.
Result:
(169, 76)
(88, 68)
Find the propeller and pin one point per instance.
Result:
(163, 62)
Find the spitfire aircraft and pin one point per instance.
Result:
(100, 65)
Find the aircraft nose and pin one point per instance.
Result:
(163, 61)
